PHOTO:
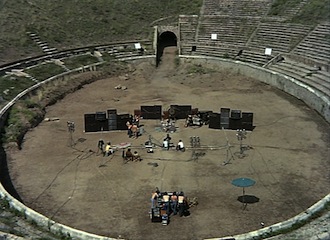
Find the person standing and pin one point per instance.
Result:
(154, 199)
(167, 142)
(174, 203)
(181, 204)
(100, 146)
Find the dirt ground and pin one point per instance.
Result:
(288, 157)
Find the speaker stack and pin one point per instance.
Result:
(112, 119)
(101, 121)
(214, 120)
(151, 112)
(235, 121)
(122, 120)
(90, 122)
(224, 118)
(180, 111)
(247, 121)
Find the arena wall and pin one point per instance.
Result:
(312, 98)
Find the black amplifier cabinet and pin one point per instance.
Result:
(151, 112)
(247, 121)
(214, 120)
(180, 111)
(94, 125)
(122, 120)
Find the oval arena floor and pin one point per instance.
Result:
(287, 156)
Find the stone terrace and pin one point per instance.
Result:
(280, 37)
(249, 8)
(316, 45)
(230, 30)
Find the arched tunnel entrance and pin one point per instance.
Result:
(165, 39)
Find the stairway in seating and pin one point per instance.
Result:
(42, 44)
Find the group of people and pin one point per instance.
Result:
(131, 156)
(169, 202)
(107, 149)
(133, 125)
(167, 144)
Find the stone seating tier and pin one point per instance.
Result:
(237, 7)
(304, 73)
(316, 45)
(278, 36)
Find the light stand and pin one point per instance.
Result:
(195, 143)
(229, 153)
(71, 129)
(241, 134)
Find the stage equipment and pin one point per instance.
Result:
(90, 122)
(247, 121)
(193, 120)
(229, 153)
(195, 141)
(241, 134)
(111, 112)
(236, 114)
(179, 111)
(122, 119)
(214, 121)
(101, 116)
(224, 120)
(151, 112)
(235, 123)
(71, 129)
(112, 121)
(205, 116)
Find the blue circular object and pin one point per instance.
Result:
(243, 182)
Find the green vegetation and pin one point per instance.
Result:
(314, 12)
(198, 69)
(79, 61)
(69, 24)
(10, 86)
(280, 6)
(44, 71)
(23, 115)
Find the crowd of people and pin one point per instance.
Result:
(173, 202)
(133, 127)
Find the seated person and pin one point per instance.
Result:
(108, 149)
(165, 144)
(136, 156)
(129, 155)
(180, 146)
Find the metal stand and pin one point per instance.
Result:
(71, 129)
(195, 143)
(241, 134)
(229, 154)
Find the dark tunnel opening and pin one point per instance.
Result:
(166, 39)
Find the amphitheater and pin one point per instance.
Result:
(236, 54)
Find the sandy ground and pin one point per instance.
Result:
(288, 157)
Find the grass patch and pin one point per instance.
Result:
(198, 69)
(79, 61)
(43, 71)
(10, 86)
(69, 24)
(280, 6)
(313, 12)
